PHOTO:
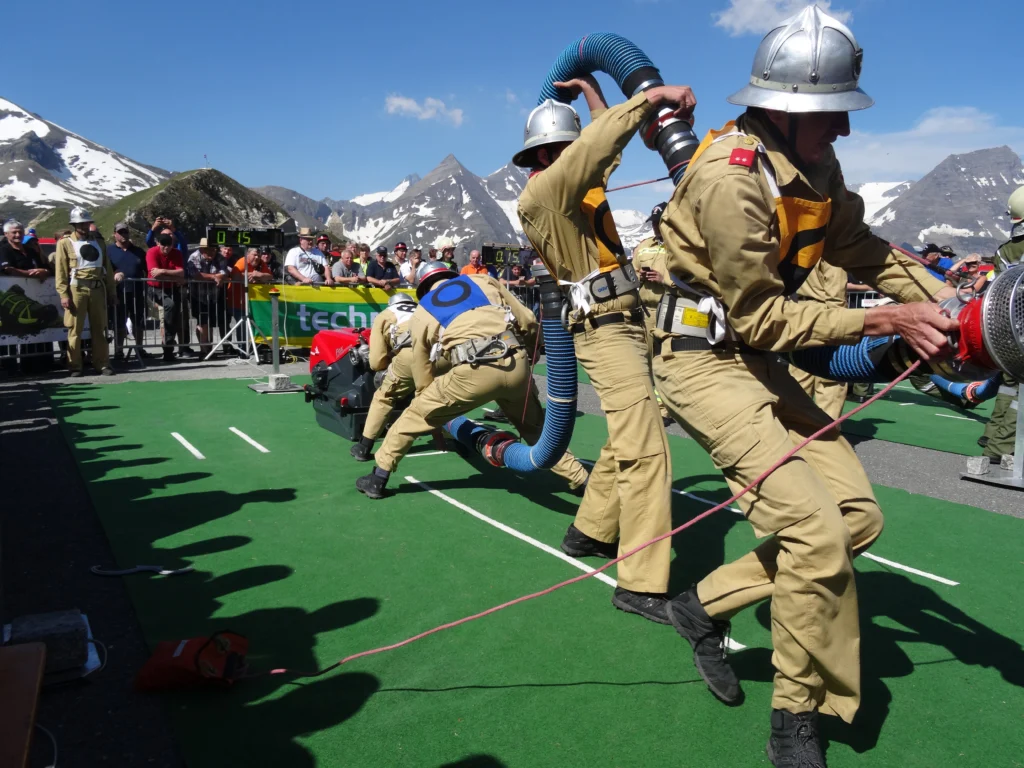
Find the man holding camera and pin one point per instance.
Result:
(306, 264)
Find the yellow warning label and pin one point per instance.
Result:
(694, 319)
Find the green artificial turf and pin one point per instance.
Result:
(908, 417)
(287, 553)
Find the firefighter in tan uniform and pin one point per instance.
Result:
(1000, 435)
(761, 202)
(826, 284)
(649, 264)
(85, 284)
(391, 352)
(566, 216)
(475, 328)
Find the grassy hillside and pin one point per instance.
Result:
(192, 199)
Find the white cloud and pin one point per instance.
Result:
(939, 132)
(510, 97)
(756, 17)
(430, 109)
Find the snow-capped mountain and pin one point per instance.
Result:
(878, 194)
(450, 201)
(633, 227)
(43, 166)
(386, 197)
(504, 186)
(961, 203)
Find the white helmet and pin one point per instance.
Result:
(1015, 209)
(550, 123)
(809, 63)
(444, 242)
(80, 216)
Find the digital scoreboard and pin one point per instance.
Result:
(222, 234)
(501, 255)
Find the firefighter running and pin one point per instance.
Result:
(762, 202)
(565, 215)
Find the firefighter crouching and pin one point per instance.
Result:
(391, 352)
(482, 331)
(85, 284)
(566, 216)
(761, 202)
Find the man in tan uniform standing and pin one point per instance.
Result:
(390, 351)
(566, 216)
(482, 332)
(85, 284)
(763, 200)
(827, 285)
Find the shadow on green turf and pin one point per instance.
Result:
(138, 513)
(924, 618)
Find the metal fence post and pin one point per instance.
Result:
(275, 296)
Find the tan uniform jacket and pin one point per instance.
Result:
(550, 206)
(66, 260)
(479, 323)
(827, 284)
(381, 353)
(650, 254)
(721, 232)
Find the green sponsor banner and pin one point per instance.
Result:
(303, 310)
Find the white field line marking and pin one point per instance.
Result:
(904, 405)
(908, 569)
(188, 446)
(425, 453)
(733, 645)
(947, 416)
(900, 566)
(249, 440)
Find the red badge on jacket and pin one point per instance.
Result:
(743, 157)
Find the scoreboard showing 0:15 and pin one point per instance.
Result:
(221, 234)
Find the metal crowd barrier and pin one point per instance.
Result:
(194, 314)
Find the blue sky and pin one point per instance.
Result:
(339, 98)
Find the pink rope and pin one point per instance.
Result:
(619, 559)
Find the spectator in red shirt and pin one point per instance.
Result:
(166, 270)
(475, 266)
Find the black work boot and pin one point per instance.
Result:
(577, 544)
(361, 451)
(707, 637)
(647, 604)
(794, 742)
(373, 484)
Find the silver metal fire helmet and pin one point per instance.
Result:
(809, 63)
(550, 123)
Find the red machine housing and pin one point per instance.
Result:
(330, 346)
(971, 349)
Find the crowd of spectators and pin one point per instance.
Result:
(169, 288)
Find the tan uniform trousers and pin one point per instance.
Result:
(461, 390)
(398, 385)
(747, 412)
(90, 301)
(828, 395)
(629, 496)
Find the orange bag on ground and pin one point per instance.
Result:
(215, 661)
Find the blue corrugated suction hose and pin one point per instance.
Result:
(869, 361)
(503, 449)
(633, 72)
(600, 52)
